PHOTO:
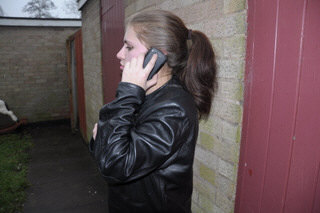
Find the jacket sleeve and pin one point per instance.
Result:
(125, 149)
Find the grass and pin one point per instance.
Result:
(14, 157)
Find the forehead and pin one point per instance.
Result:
(130, 34)
(131, 37)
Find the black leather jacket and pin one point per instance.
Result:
(145, 148)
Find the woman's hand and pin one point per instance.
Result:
(134, 72)
(94, 131)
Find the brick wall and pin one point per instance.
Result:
(217, 152)
(33, 71)
(91, 40)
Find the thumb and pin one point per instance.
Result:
(153, 81)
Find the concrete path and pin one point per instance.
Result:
(63, 175)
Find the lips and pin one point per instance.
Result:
(121, 66)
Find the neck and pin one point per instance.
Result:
(164, 75)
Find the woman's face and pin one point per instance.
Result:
(131, 48)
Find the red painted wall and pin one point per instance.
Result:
(280, 147)
(112, 27)
(80, 84)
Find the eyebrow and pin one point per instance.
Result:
(128, 42)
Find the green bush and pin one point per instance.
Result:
(14, 157)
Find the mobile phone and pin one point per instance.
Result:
(162, 58)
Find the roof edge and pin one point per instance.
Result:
(37, 22)
(81, 3)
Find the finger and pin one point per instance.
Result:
(94, 131)
(133, 62)
(126, 66)
(151, 63)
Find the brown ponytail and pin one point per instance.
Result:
(199, 75)
(191, 59)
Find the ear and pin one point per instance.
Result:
(164, 51)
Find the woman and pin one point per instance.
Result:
(145, 139)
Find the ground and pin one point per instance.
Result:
(63, 175)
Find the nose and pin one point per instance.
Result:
(120, 54)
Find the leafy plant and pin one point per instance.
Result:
(14, 159)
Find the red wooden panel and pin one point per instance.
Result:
(285, 96)
(112, 25)
(275, 173)
(259, 87)
(303, 186)
(80, 84)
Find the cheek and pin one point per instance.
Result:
(133, 54)
(129, 56)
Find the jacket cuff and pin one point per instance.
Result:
(130, 89)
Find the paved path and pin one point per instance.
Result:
(63, 175)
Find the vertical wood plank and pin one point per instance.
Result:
(80, 84)
(279, 155)
(303, 184)
(285, 97)
(112, 25)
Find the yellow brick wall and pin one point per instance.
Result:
(34, 72)
(217, 152)
(91, 41)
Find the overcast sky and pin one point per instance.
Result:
(13, 8)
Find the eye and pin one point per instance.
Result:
(129, 48)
